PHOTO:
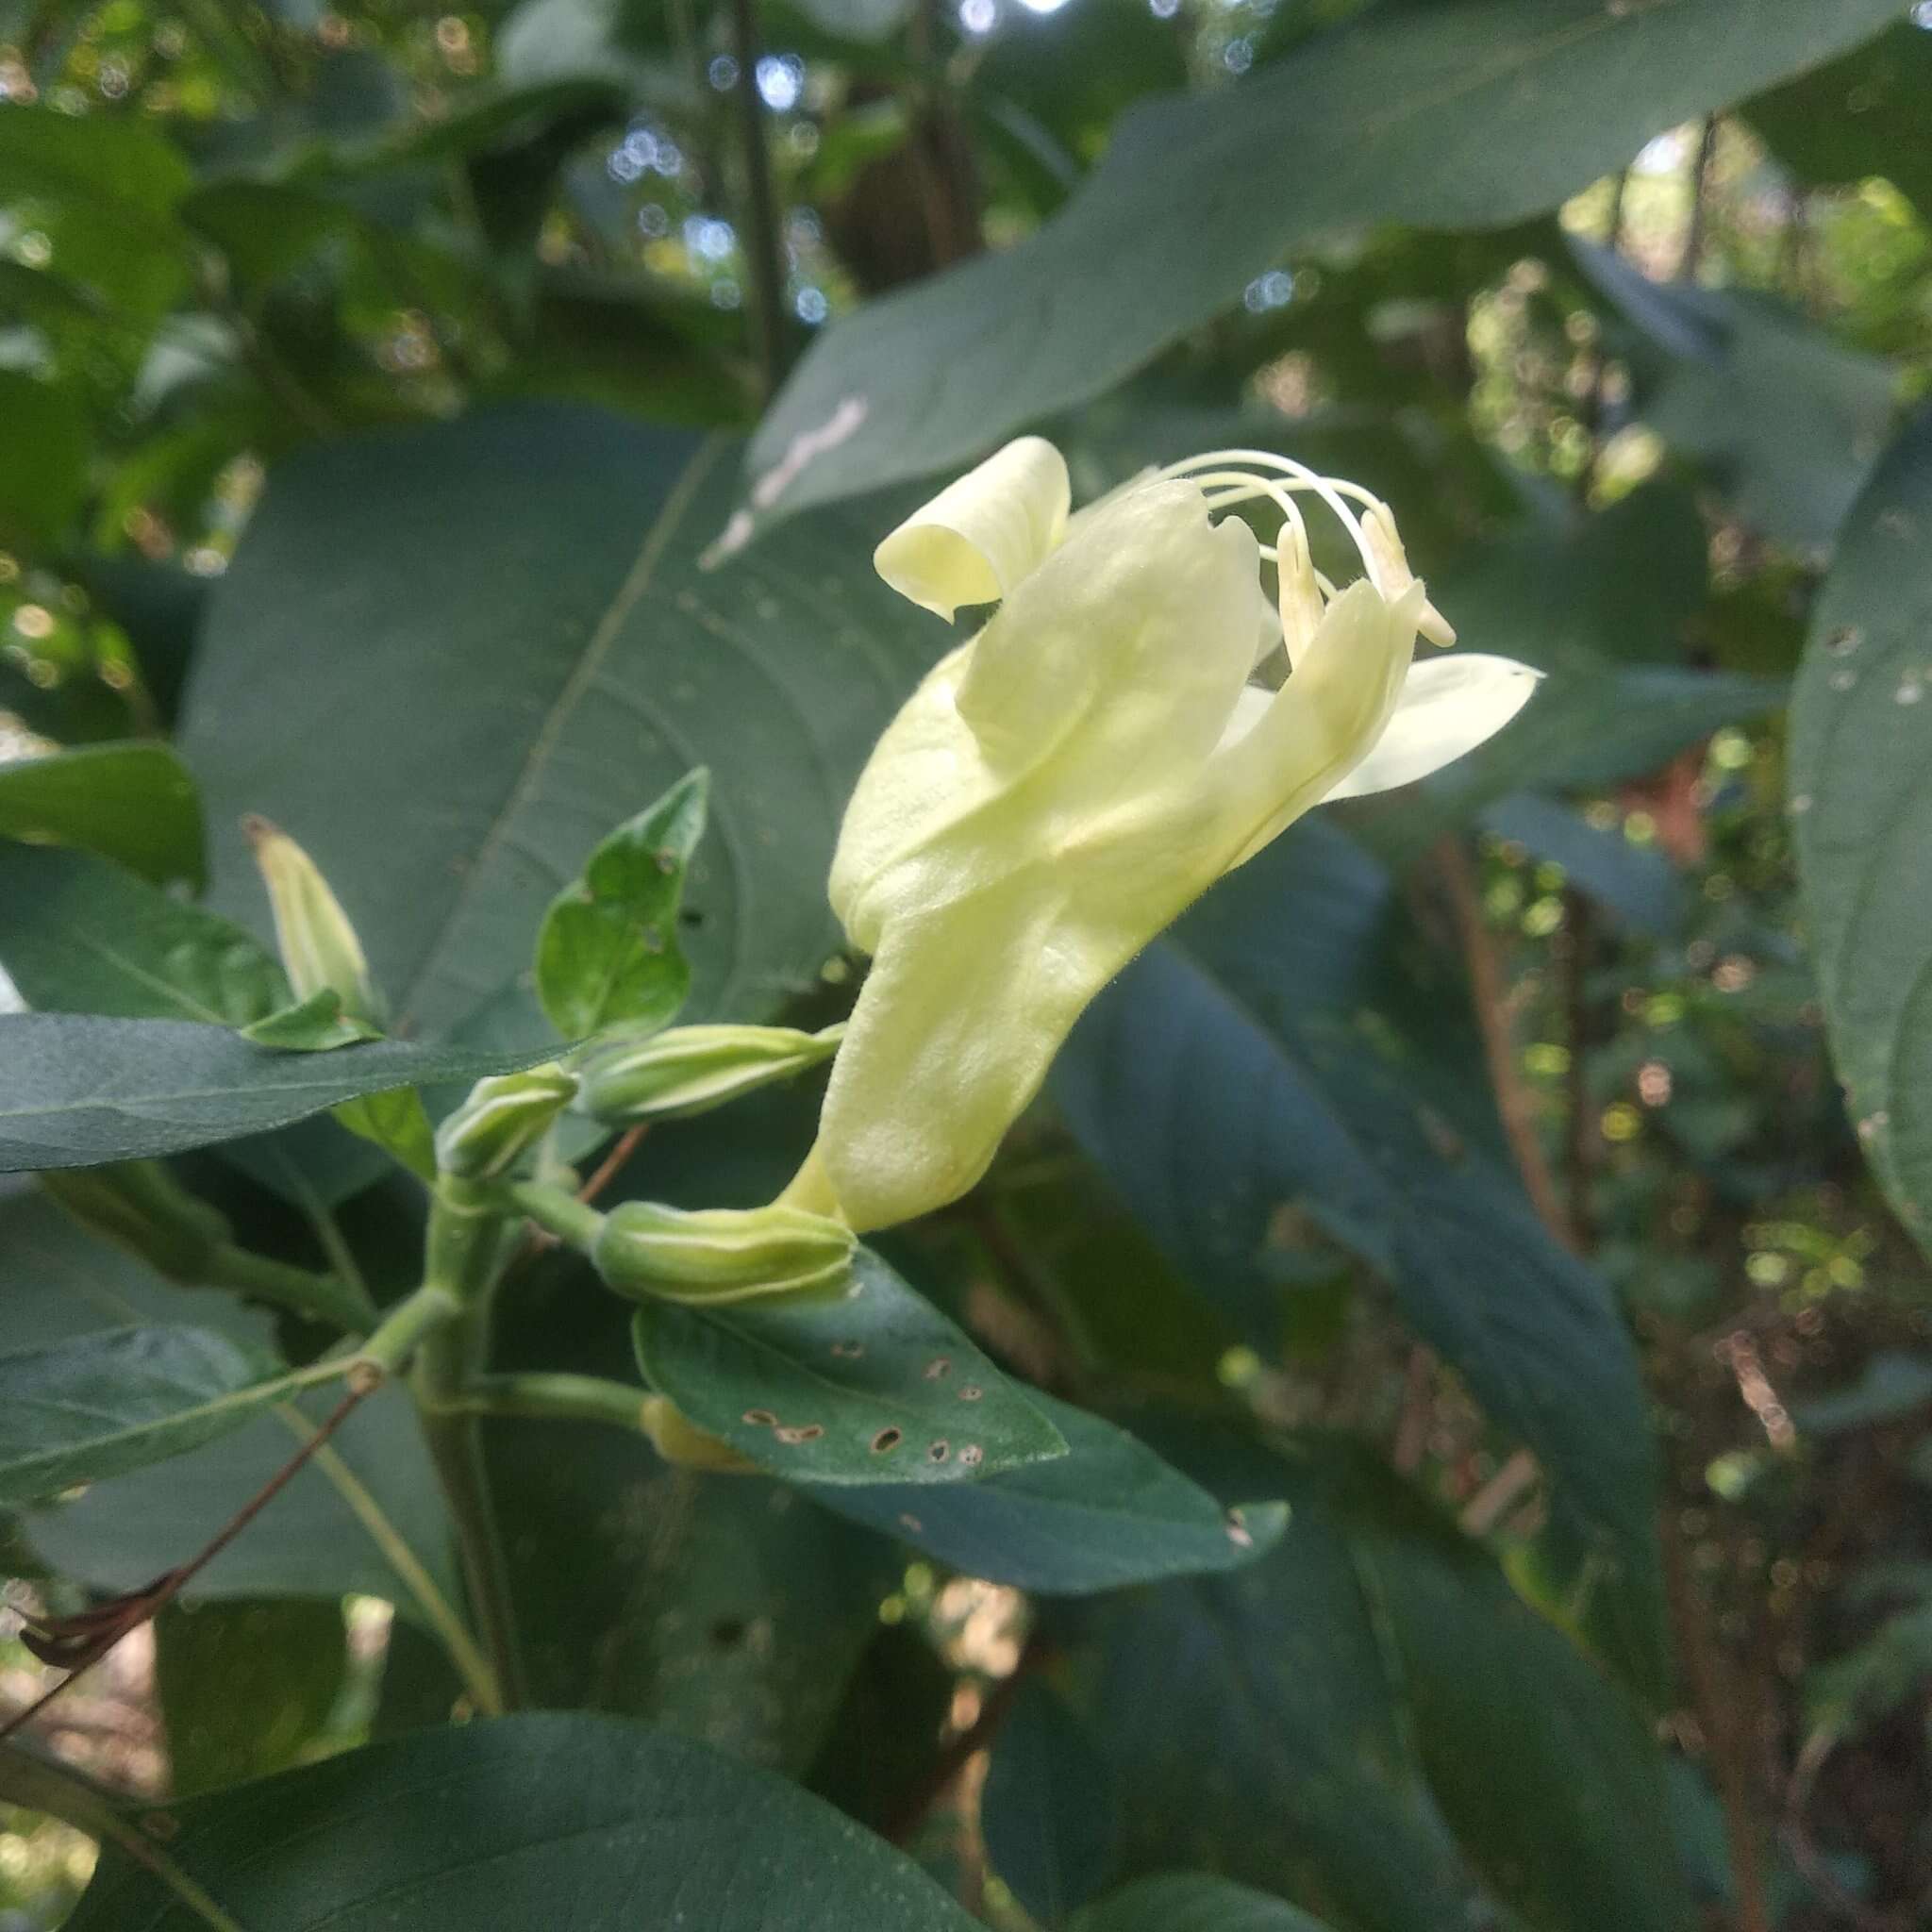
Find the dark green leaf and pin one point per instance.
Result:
(608, 953)
(246, 1689)
(1107, 1513)
(1861, 806)
(1859, 116)
(1235, 1072)
(872, 1386)
(136, 803)
(1048, 1807)
(1308, 1723)
(1789, 420)
(76, 1090)
(526, 647)
(1194, 1904)
(76, 1411)
(79, 935)
(1467, 113)
(503, 1824)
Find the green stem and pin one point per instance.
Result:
(469, 1242)
(556, 1398)
(320, 1297)
(573, 1222)
(404, 1330)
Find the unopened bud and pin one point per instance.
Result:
(692, 1068)
(1391, 568)
(720, 1254)
(501, 1120)
(1300, 594)
(683, 1444)
(319, 947)
(136, 1204)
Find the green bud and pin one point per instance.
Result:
(683, 1444)
(692, 1069)
(136, 1204)
(720, 1254)
(319, 947)
(502, 1119)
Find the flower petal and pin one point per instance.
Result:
(1448, 706)
(1305, 738)
(980, 535)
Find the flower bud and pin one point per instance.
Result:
(684, 1445)
(720, 1254)
(503, 1118)
(692, 1068)
(136, 1204)
(319, 947)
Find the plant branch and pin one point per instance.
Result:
(555, 1397)
(1514, 1101)
(956, 1754)
(763, 254)
(318, 1297)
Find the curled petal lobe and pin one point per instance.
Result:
(1448, 706)
(981, 535)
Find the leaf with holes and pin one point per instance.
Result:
(608, 953)
(1107, 1513)
(1861, 806)
(79, 935)
(1468, 114)
(76, 1090)
(872, 1386)
(131, 802)
(525, 1824)
(526, 649)
(77, 1412)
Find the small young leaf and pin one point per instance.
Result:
(871, 1386)
(316, 1024)
(76, 1411)
(131, 802)
(397, 1122)
(607, 952)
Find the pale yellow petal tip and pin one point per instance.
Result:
(983, 532)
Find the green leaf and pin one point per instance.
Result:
(526, 599)
(246, 1689)
(1047, 1808)
(44, 460)
(316, 1024)
(102, 188)
(80, 935)
(1193, 1903)
(1859, 116)
(1462, 114)
(607, 952)
(498, 1822)
(1108, 1513)
(872, 1386)
(1861, 806)
(1789, 420)
(366, 1505)
(1308, 1723)
(76, 1411)
(1235, 1071)
(76, 1090)
(1891, 1386)
(136, 803)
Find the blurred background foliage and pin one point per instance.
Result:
(1354, 1163)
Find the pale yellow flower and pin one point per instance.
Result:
(1059, 790)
